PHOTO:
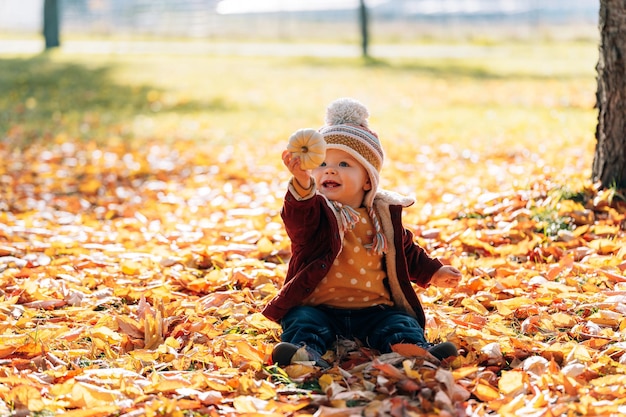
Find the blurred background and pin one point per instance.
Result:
(292, 20)
(478, 82)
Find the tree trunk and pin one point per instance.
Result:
(363, 20)
(609, 164)
(51, 23)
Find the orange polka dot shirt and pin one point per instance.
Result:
(356, 278)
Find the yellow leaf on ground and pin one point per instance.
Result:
(605, 246)
(101, 411)
(105, 334)
(265, 246)
(251, 406)
(485, 392)
(512, 383)
(258, 388)
(579, 353)
(472, 305)
(608, 380)
(326, 381)
(250, 353)
(508, 307)
(465, 372)
(563, 320)
(606, 318)
(25, 397)
(90, 187)
(84, 395)
(131, 267)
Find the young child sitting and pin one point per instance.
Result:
(353, 261)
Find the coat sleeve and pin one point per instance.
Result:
(302, 217)
(420, 265)
(315, 242)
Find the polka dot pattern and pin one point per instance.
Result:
(356, 278)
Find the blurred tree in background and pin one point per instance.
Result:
(609, 164)
(363, 19)
(51, 23)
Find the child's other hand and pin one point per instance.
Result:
(447, 276)
(293, 165)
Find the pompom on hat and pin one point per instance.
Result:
(347, 129)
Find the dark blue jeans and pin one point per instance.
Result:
(377, 327)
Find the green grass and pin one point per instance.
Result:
(512, 97)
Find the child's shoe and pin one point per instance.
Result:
(443, 350)
(284, 353)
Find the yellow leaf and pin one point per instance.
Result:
(299, 370)
(407, 366)
(90, 186)
(144, 355)
(606, 318)
(25, 396)
(326, 381)
(206, 397)
(218, 385)
(248, 404)
(287, 408)
(580, 353)
(512, 383)
(473, 305)
(508, 307)
(616, 380)
(258, 388)
(485, 392)
(88, 395)
(131, 267)
(169, 382)
(100, 411)
(105, 334)
(260, 322)
(464, 372)
(265, 246)
(244, 349)
(129, 326)
(153, 328)
(604, 246)
(562, 320)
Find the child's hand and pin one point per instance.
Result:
(293, 164)
(447, 277)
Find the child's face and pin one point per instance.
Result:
(342, 178)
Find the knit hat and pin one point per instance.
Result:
(347, 129)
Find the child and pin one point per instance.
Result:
(352, 260)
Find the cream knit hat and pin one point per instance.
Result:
(347, 129)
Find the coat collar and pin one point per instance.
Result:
(391, 198)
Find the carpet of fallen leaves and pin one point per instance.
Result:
(132, 279)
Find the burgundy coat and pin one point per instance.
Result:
(314, 229)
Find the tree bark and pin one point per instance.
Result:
(51, 23)
(363, 20)
(609, 163)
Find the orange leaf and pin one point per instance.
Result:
(247, 351)
(408, 385)
(409, 350)
(388, 370)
